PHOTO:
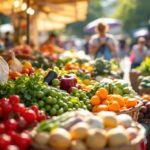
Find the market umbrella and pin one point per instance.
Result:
(113, 23)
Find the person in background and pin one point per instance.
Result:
(123, 49)
(8, 41)
(86, 45)
(138, 52)
(103, 44)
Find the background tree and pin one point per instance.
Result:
(133, 13)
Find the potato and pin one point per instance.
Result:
(42, 138)
(96, 139)
(78, 145)
(109, 119)
(60, 139)
(124, 120)
(79, 131)
(117, 137)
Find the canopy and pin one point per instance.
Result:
(113, 23)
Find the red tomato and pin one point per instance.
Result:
(11, 124)
(41, 115)
(22, 123)
(3, 101)
(5, 141)
(14, 99)
(35, 109)
(31, 70)
(1, 112)
(7, 108)
(23, 141)
(19, 108)
(25, 71)
(12, 147)
(30, 116)
(12, 134)
(2, 128)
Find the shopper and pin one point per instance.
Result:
(138, 52)
(102, 44)
(123, 48)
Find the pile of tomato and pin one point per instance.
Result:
(15, 122)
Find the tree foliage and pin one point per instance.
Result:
(133, 13)
(94, 11)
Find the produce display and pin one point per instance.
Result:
(15, 119)
(82, 130)
(69, 102)
(102, 101)
(144, 68)
(33, 91)
(26, 69)
(144, 81)
(116, 86)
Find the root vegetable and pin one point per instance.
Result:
(124, 120)
(79, 131)
(78, 145)
(97, 139)
(117, 137)
(60, 139)
(42, 138)
(109, 118)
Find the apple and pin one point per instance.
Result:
(67, 81)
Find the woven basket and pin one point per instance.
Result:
(134, 75)
(144, 91)
(135, 144)
(133, 112)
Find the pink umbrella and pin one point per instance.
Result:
(113, 23)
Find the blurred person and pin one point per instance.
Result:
(103, 44)
(123, 48)
(8, 41)
(138, 52)
(86, 45)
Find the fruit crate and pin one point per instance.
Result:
(133, 112)
(135, 144)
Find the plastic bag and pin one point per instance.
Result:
(15, 64)
(4, 70)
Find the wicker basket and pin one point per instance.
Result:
(134, 75)
(133, 112)
(135, 144)
(144, 91)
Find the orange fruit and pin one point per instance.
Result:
(114, 106)
(102, 93)
(106, 102)
(95, 100)
(119, 99)
(110, 97)
(102, 107)
(123, 108)
(95, 109)
(131, 102)
(27, 65)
